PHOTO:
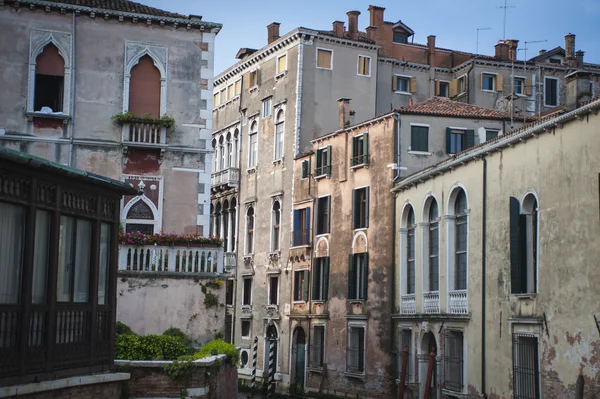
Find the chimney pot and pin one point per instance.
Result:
(353, 24)
(501, 50)
(569, 47)
(579, 57)
(272, 32)
(343, 112)
(338, 28)
(371, 32)
(376, 15)
(541, 52)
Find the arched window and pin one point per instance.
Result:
(407, 261)
(275, 223)
(222, 153)
(278, 144)
(215, 156)
(249, 230)
(434, 247)
(218, 219)
(457, 260)
(226, 221)
(524, 244)
(253, 146)
(140, 218)
(236, 135)
(410, 252)
(49, 80)
(229, 151)
(144, 88)
(233, 213)
(460, 248)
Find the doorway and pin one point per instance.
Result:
(428, 345)
(298, 360)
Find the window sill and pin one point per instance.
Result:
(489, 91)
(278, 161)
(355, 375)
(281, 75)
(363, 76)
(327, 69)
(356, 301)
(454, 394)
(322, 177)
(421, 153)
(358, 229)
(360, 165)
(253, 88)
(525, 296)
(245, 337)
(319, 301)
(404, 93)
(251, 170)
(299, 302)
(40, 115)
(316, 370)
(322, 234)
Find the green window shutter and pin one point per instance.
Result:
(328, 208)
(326, 279)
(515, 250)
(305, 286)
(316, 283)
(328, 159)
(425, 138)
(304, 169)
(354, 146)
(351, 278)
(367, 203)
(354, 209)
(296, 285)
(448, 140)
(414, 135)
(365, 144)
(319, 160)
(365, 276)
(470, 138)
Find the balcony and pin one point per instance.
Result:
(230, 262)
(322, 171)
(179, 259)
(431, 303)
(227, 178)
(457, 302)
(300, 238)
(360, 160)
(143, 134)
(408, 304)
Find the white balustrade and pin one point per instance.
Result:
(181, 259)
(431, 302)
(145, 134)
(408, 304)
(458, 302)
(229, 176)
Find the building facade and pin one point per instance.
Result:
(499, 261)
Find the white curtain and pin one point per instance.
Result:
(40, 257)
(12, 230)
(104, 263)
(82, 261)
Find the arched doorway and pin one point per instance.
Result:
(298, 360)
(428, 345)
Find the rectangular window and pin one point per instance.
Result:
(523, 244)
(490, 134)
(230, 92)
(399, 37)
(301, 232)
(405, 342)
(526, 372)
(216, 100)
(229, 286)
(323, 215)
(323, 162)
(401, 84)
(305, 169)
(12, 238)
(519, 86)
(74, 260)
(355, 360)
(278, 141)
(460, 275)
(317, 347)
(40, 257)
(360, 208)
(444, 89)
(320, 285)
(360, 150)
(550, 92)
(419, 138)
(49, 91)
(462, 84)
(453, 361)
(223, 95)
(324, 58)
(458, 140)
(253, 156)
(104, 264)
(364, 65)
(238, 87)
(247, 294)
(281, 64)
(266, 108)
(246, 327)
(488, 82)
(273, 290)
(301, 286)
(358, 276)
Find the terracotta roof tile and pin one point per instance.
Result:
(117, 5)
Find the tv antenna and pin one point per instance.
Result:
(477, 42)
(529, 42)
(505, 6)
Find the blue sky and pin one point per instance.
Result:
(454, 22)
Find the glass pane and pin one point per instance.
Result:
(11, 251)
(82, 261)
(40, 256)
(65, 259)
(104, 265)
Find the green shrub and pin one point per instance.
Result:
(123, 328)
(181, 368)
(218, 347)
(149, 347)
(176, 332)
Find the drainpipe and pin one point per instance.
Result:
(483, 268)
(394, 233)
(73, 87)
(469, 82)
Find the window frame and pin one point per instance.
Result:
(433, 224)
(320, 279)
(360, 213)
(278, 138)
(323, 227)
(323, 164)
(358, 66)
(253, 151)
(557, 85)
(280, 73)
(525, 248)
(249, 321)
(447, 85)
(360, 141)
(461, 85)
(317, 58)
(276, 226)
(305, 169)
(412, 133)
(362, 352)
(229, 292)
(247, 292)
(267, 109)
(301, 286)
(253, 76)
(516, 356)
(454, 386)
(249, 232)
(523, 81)
(358, 276)
(493, 77)
(272, 278)
(321, 354)
(403, 78)
(404, 37)
(410, 374)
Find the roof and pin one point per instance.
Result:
(548, 54)
(362, 36)
(440, 106)
(8, 155)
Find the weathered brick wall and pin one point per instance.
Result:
(110, 390)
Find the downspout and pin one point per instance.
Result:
(469, 81)
(394, 233)
(483, 268)
(73, 87)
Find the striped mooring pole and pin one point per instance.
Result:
(271, 387)
(254, 355)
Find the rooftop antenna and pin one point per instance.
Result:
(505, 6)
(477, 42)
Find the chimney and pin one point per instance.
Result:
(371, 33)
(376, 15)
(541, 52)
(353, 24)
(501, 50)
(512, 49)
(273, 31)
(338, 28)
(570, 49)
(344, 112)
(578, 89)
(579, 57)
(431, 49)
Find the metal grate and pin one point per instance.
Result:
(526, 373)
(453, 361)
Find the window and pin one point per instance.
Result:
(305, 169)
(301, 286)
(247, 293)
(401, 84)
(253, 147)
(555, 61)
(12, 238)
(491, 134)
(358, 276)
(364, 65)
(443, 89)
(301, 232)
(550, 92)
(410, 252)
(281, 64)
(223, 95)
(323, 161)
(104, 264)
(355, 360)
(460, 245)
(252, 79)
(360, 150)
(360, 208)
(523, 244)
(41, 253)
(324, 58)
(278, 145)
(399, 37)
(488, 82)
(266, 108)
(246, 327)
(250, 230)
(216, 100)
(275, 229)
(458, 140)
(229, 287)
(453, 360)
(317, 347)
(323, 215)
(320, 279)
(526, 372)
(419, 138)
(73, 279)
(519, 86)
(434, 248)
(237, 87)
(405, 341)
(462, 84)
(274, 290)
(49, 80)
(230, 92)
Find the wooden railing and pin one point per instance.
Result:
(155, 258)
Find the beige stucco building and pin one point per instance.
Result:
(494, 264)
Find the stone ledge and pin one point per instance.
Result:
(169, 274)
(206, 362)
(26, 389)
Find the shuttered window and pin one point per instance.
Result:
(323, 215)
(360, 208)
(317, 347)
(301, 286)
(281, 64)
(550, 92)
(355, 352)
(419, 138)
(364, 65)
(320, 285)
(238, 87)
(358, 272)
(323, 161)
(305, 169)
(301, 232)
(324, 58)
(360, 150)
(458, 140)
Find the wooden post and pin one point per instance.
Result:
(254, 355)
(430, 369)
(579, 387)
(403, 373)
